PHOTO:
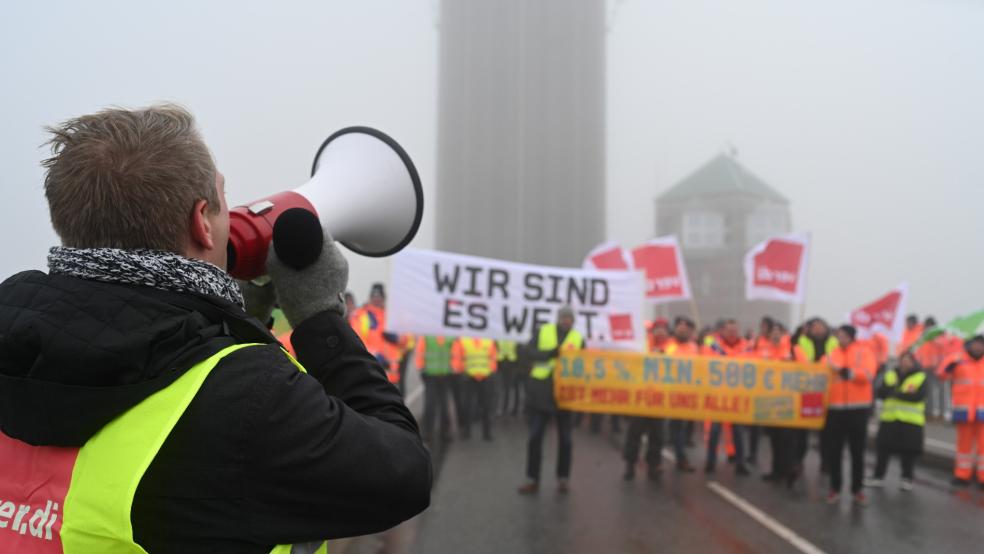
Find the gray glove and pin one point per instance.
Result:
(259, 299)
(314, 289)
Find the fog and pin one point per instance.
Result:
(866, 114)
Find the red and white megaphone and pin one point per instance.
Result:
(364, 190)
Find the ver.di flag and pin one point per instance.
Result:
(885, 315)
(662, 263)
(439, 293)
(775, 269)
(608, 255)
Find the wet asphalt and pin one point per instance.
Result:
(475, 507)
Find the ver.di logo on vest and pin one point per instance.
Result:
(14, 519)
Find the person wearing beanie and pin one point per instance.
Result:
(370, 325)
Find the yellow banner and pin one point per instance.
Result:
(752, 392)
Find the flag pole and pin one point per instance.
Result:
(694, 313)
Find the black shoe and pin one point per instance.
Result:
(487, 437)
(629, 472)
(530, 487)
(741, 470)
(465, 435)
(685, 467)
(958, 482)
(654, 473)
(447, 438)
(772, 477)
(709, 469)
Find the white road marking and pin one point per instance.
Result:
(942, 445)
(767, 521)
(414, 396)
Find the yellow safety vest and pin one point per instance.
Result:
(896, 409)
(507, 350)
(95, 511)
(478, 356)
(546, 342)
(806, 345)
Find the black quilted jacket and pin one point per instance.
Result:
(264, 455)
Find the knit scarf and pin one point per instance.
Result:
(150, 268)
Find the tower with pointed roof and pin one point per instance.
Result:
(719, 212)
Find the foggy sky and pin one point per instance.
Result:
(866, 114)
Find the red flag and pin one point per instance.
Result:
(776, 269)
(885, 315)
(666, 276)
(607, 256)
(621, 326)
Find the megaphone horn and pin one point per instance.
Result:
(364, 190)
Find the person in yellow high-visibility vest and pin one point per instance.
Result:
(477, 360)
(145, 405)
(903, 417)
(547, 343)
(510, 375)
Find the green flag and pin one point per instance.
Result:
(964, 327)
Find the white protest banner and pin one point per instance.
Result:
(439, 293)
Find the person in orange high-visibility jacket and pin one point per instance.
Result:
(652, 427)
(682, 344)
(913, 330)
(784, 467)
(930, 354)
(853, 366)
(950, 344)
(370, 325)
(477, 360)
(966, 372)
(813, 342)
(879, 347)
(351, 308)
(730, 344)
(763, 340)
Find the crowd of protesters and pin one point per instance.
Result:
(468, 381)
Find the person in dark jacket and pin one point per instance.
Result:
(903, 417)
(546, 345)
(264, 454)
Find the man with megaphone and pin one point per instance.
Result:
(142, 407)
